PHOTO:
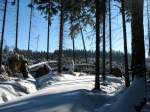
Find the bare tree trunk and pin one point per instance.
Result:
(48, 35)
(149, 47)
(61, 38)
(110, 39)
(97, 56)
(73, 45)
(138, 48)
(148, 25)
(30, 24)
(83, 41)
(104, 50)
(17, 20)
(3, 31)
(72, 38)
(127, 82)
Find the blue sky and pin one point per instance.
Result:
(39, 27)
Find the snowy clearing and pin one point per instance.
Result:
(65, 93)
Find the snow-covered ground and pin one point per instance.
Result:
(146, 108)
(111, 85)
(65, 93)
(131, 97)
(12, 88)
(69, 93)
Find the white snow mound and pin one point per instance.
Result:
(15, 87)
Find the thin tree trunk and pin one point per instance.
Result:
(72, 38)
(104, 50)
(127, 82)
(148, 25)
(61, 38)
(149, 47)
(83, 41)
(3, 31)
(97, 56)
(30, 25)
(48, 35)
(110, 39)
(17, 20)
(138, 48)
(73, 45)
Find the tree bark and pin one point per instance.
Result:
(73, 45)
(148, 26)
(127, 82)
(110, 39)
(97, 56)
(104, 44)
(48, 35)
(138, 48)
(61, 38)
(83, 41)
(3, 31)
(17, 21)
(48, 29)
(30, 24)
(72, 38)
(149, 47)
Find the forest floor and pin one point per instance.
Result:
(67, 93)
(71, 93)
(146, 108)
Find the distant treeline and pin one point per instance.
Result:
(117, 56)
(37, 56)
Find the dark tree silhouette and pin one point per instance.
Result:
(48, 35)
(48, 28)
(61, 34)
(138, 49)
(127, 82)
(83, 41)
(17, 24)
(104, 49)
(49, 8)
(148, 24)
(73, 43)
(3, 31)
(30, 24)
(110, 39)
(97, 58)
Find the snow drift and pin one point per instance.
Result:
(10, 87)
